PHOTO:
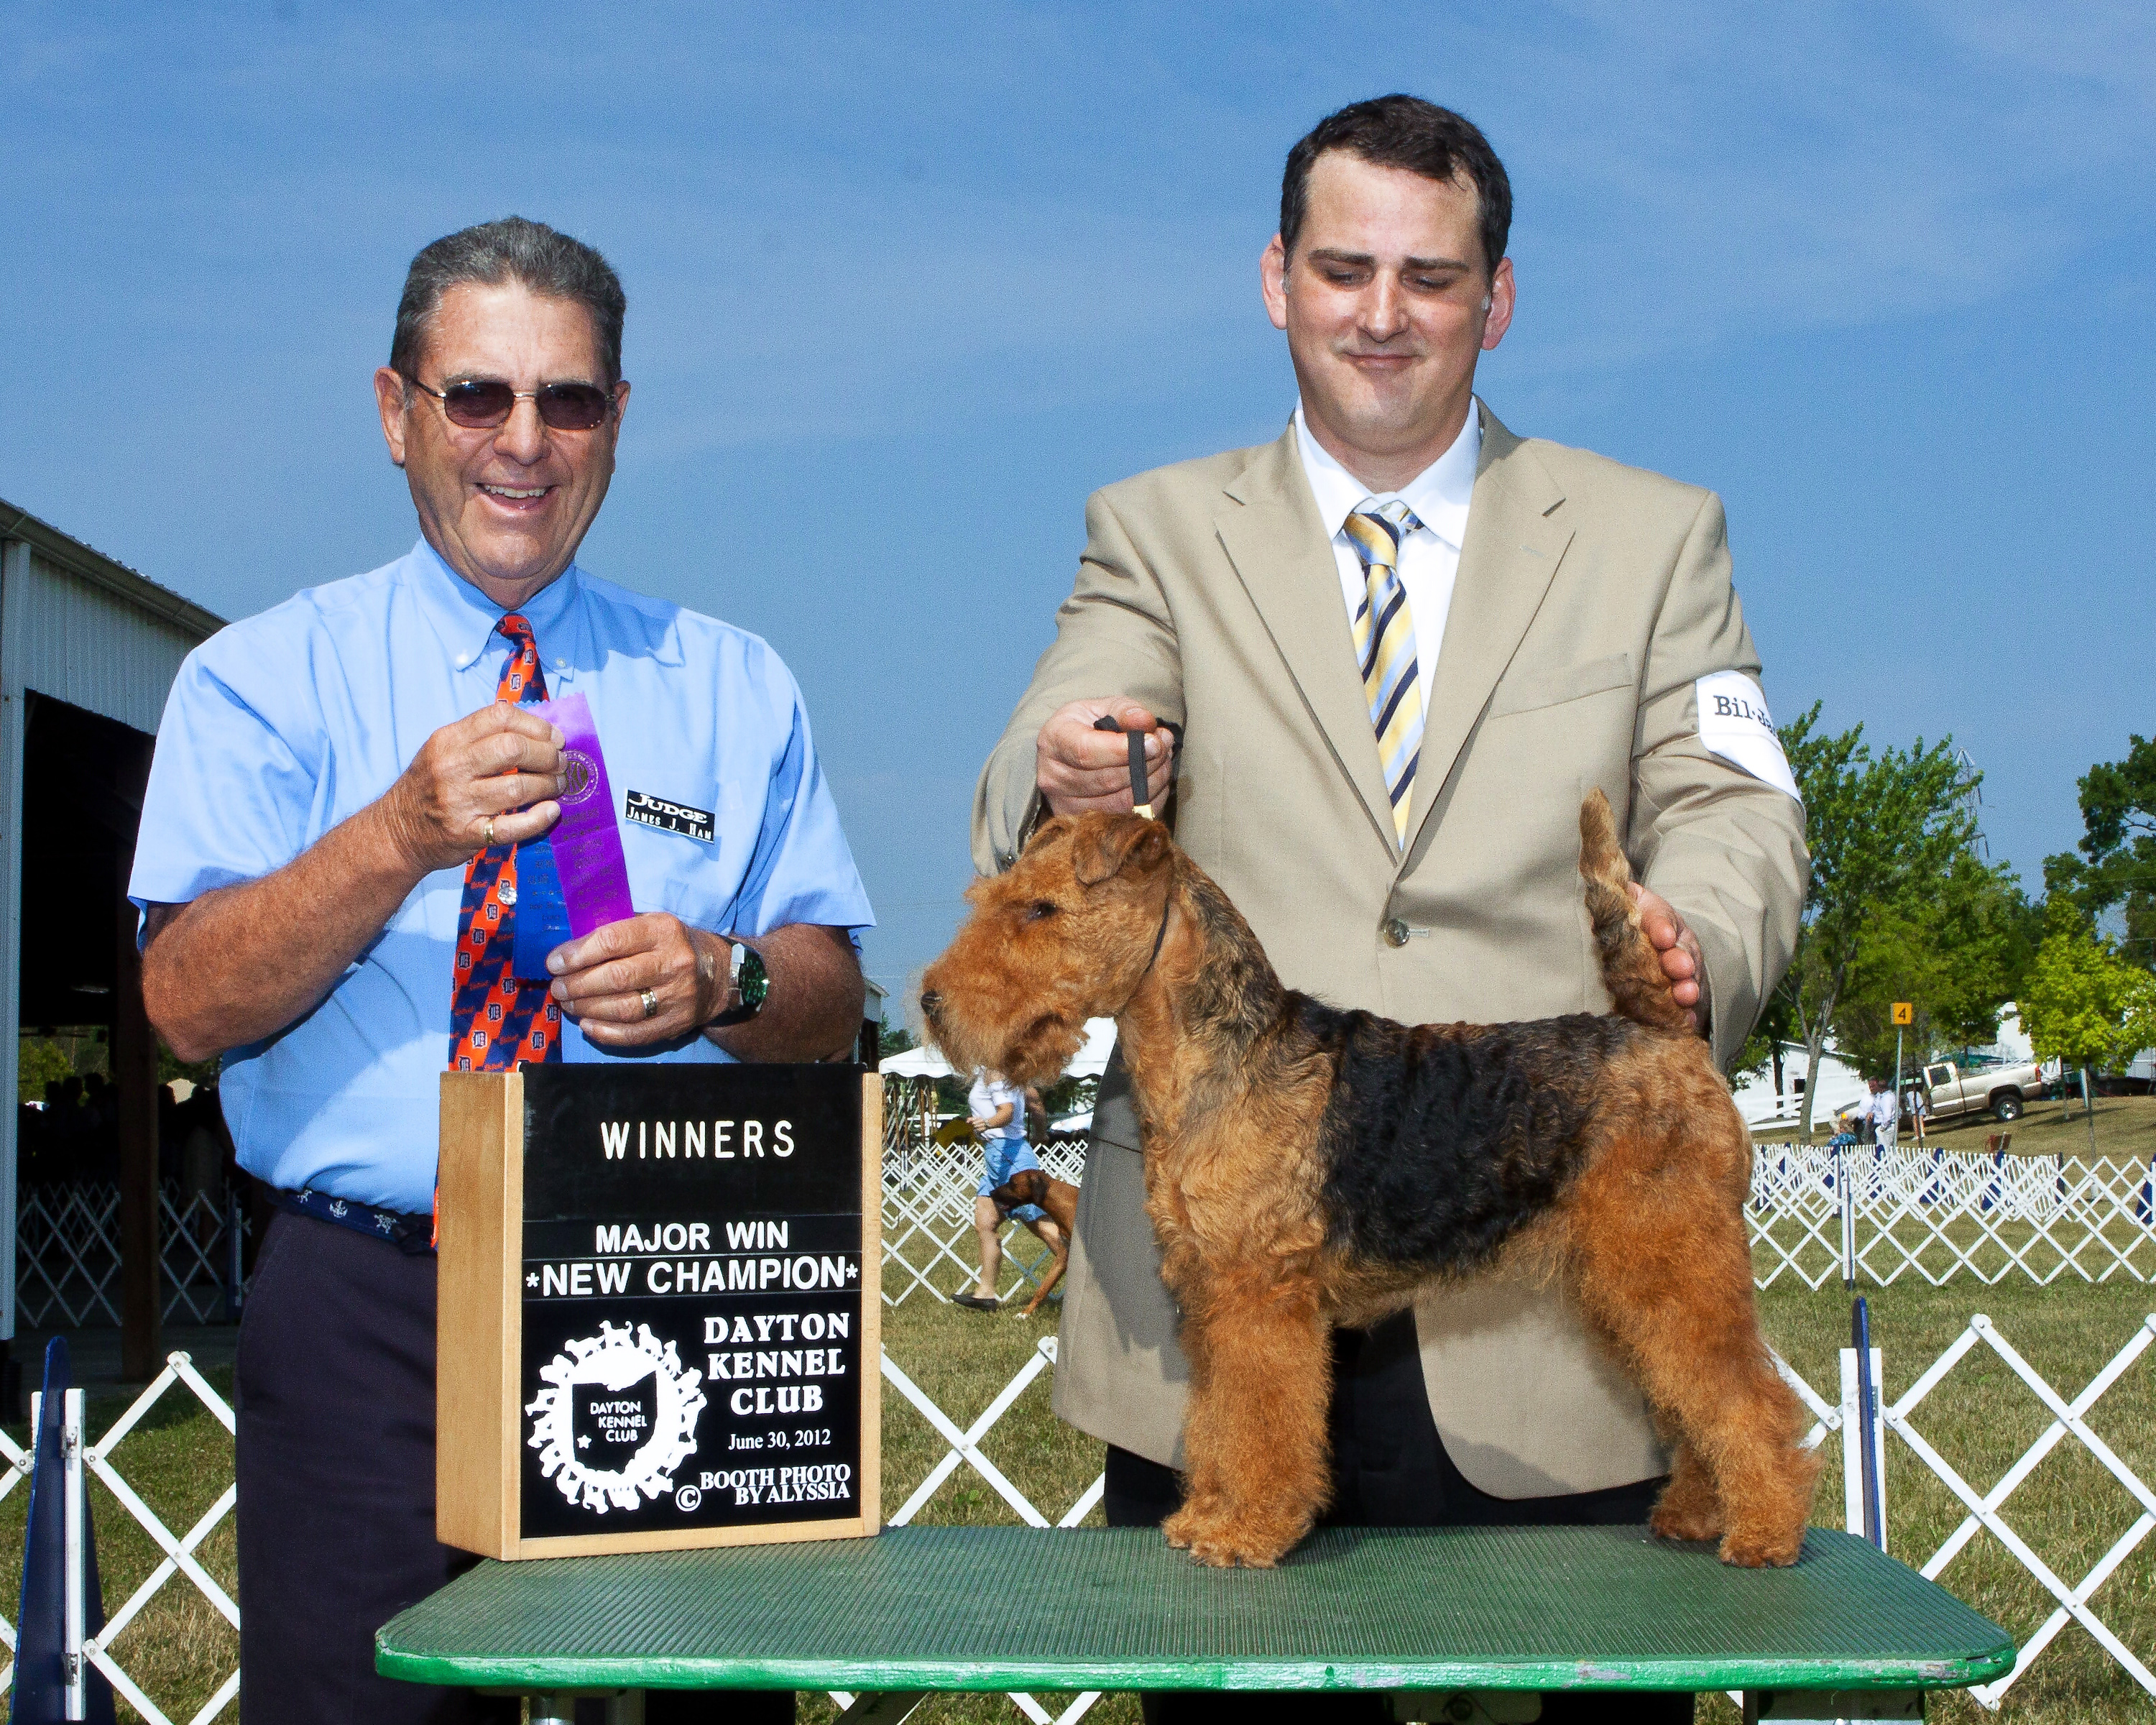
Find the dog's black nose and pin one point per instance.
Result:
(931, 1002)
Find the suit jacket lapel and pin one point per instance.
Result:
(1280, 549)
(1516, 538)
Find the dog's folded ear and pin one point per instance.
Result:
(1054, 825)
(1103, 846)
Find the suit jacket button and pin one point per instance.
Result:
(1395, 931)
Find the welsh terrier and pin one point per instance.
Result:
(1306, 1166)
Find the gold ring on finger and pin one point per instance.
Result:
(650, 1003)
(489, 832)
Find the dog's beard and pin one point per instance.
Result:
(1039, 1052)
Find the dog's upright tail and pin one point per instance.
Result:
(1630, 969)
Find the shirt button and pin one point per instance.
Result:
(1395, 931)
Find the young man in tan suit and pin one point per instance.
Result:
(1403, 644)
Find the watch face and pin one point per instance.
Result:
(754, 981)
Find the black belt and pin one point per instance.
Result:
(412, 1235)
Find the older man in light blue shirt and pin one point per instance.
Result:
(342, 789)
(283, 727)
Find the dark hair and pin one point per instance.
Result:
(550, 263)
(1404, 132)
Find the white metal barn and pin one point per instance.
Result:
(88, 652)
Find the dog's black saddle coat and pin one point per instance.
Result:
(1438, 1147)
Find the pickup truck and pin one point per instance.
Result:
(2001, 1090)
(1950, 1090)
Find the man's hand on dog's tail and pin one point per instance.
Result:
(1656, 981)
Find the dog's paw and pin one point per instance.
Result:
(1752, 1549)
(1686, 1520)
(1185, 1524)
(1225, 1543)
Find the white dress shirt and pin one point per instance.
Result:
(1429, 556)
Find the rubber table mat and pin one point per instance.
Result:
(1016, 1608)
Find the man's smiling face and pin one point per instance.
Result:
(1388, 303)
(506, 506)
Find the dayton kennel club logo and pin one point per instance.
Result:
(618, 1415)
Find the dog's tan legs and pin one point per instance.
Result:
(1060, 1246)
(1677, 1300)
(1255, 1438)
(1689, 1507)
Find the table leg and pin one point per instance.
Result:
(1824, 1706)
(886, 1706)
(1467, 1706)
(624, 1706)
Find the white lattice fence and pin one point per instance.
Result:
(1936, 1214)
(928, 1240)
(963, 1449)
(1987, 1508)
(67, 1254)
(179, 1549)
(1941, 1214)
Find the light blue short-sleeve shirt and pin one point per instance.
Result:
(281, 727)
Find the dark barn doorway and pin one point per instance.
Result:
(83, 780)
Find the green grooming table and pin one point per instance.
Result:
(1473, 1611)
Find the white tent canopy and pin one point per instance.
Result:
(929, 1063)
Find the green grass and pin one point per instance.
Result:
(1982, 1418)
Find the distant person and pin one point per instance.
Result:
(99, 1147)
(1881, 1111)
(998, 1116)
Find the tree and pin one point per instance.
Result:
(2082, 1004)
(1956, 951)
(2117, 867)
(1884, 833)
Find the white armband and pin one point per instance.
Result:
(1735, 724)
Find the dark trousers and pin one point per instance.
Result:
(1390, 1470)
(335, 1394)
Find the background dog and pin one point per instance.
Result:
(1306, 1166)
(1059, 1199)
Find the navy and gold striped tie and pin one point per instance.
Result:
(1385, 648)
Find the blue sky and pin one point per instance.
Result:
(906, 282)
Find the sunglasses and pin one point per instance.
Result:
(481, 403)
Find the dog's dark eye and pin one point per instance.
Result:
(1039, 908)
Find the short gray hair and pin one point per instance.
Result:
(549, 263)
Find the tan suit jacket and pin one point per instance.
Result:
(1589, 598)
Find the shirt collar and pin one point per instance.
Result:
(1440, 495)
(464, 618)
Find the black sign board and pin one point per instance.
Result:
(658, 1312)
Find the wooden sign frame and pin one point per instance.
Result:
(488, 1437)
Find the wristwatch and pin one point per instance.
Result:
(748, 983)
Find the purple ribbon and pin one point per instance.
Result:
(587, 841)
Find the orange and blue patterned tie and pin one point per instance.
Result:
(1385, 648)
(497, 1023)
